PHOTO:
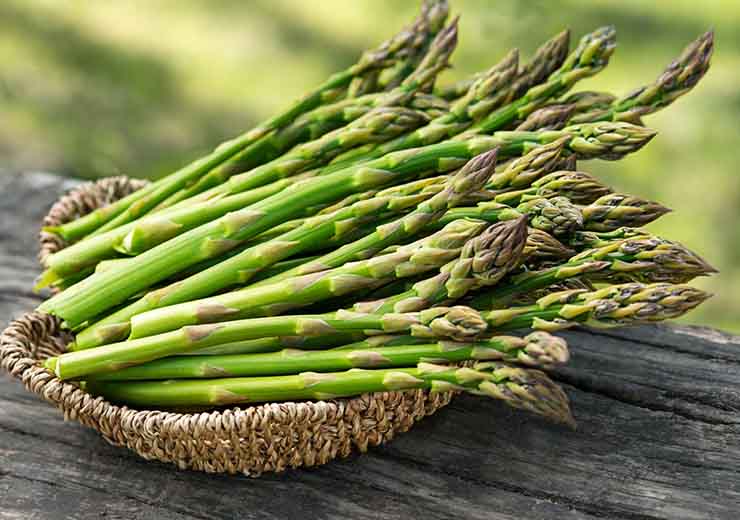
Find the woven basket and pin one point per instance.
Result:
(249, 440)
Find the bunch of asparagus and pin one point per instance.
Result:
(382, 233)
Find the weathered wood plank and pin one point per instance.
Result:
(658, 437)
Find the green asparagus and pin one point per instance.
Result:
(525, 389)
(239, 268)
(643, 259)
(483, 261)
(143, 199)
(273, 298)
(457, 323)
(538, 349)
(677, 79)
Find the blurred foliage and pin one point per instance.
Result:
(140, 87)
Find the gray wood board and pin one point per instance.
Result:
(658, 437)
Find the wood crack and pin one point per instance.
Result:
(594, 510)
(583, 386)
(138, 500)
(663, 346)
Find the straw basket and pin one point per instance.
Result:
(250, 440)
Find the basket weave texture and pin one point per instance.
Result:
(249, 440)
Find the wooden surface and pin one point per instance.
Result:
(658, 437)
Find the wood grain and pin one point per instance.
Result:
(658, 437)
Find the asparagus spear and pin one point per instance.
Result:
(143, 198)
(460, 116)
(240, 268)
(589, 100)
(581, 240)
(615, 210)
(319, 152)
(520, 172)
(676, 80)
(277, 343)
(559, 216)
(643, 259)
(520, 388)
(101, 291)
(578, 187)
(614, 305)
(491, 90)
(538, 349)
(531, 165)
(483, 261)
(139, 236)
(457, 323)
(434, 17)
(589, 58)
(548, 58)
(274, 298)
(308, 127)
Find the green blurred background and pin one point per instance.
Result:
(91, 89)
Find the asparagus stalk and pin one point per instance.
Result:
(530, 390)
(428, 186)
(319, 152)
(589, 58)
(557, 215)
(309, 127)
(457, 323)
(556, 115)
(101, 291)
(548, 58)
(589, 100)
(462, 113)
(491, 90)
(520, 172)
(277, 343)
(538, 349)
(434, 17)
(274, 298)
(151, 230)
(469, 179)
(677, 79)
(531, 165)
(644, 259)
(560, 217)
(581, 240)
(540, 247)
(240, 268)
(144, 198)
(615, 305)
(483, 261)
